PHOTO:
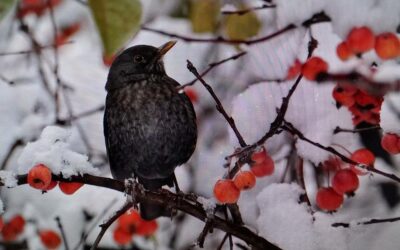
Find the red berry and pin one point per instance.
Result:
(343, 51)
(128, 221)
(52, 185)
(225, 191)
(1, 223)
(314, 66)
(294, 70)
(146, 228)
(344, 94)
(332, 164)
(327, 199)
(345, 181)
(122, 237)
(13, 228)
(50, 239)
(8, 233)
(390, 142)
(259, 156)
(192, 94)
(244, 180)
(66, 33)
(17, 223)
(360, 39)
(387, 46)
(363, 156)
(39, 177)
(264, 168)
(69, 187)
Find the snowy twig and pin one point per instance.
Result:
(357, 130)
(219, 106)
(169, 199)
(63, 235)
(244, 11)
(371, 221)
(290, 128)
(210, 67)
(108, 223)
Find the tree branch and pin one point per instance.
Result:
(169, 199)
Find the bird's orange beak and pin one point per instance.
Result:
(163, 49)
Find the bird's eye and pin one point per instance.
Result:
(138, 59)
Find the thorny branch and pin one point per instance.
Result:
(170, 199)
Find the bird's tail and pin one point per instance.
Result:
(151, 210)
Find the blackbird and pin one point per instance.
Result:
(149, 127)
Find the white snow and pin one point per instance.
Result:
(8, 179)
(53, 150)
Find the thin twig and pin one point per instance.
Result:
(219, 106)
(244, 11)
(30, 51)
(63, 235)
(371, 221)
(210, 67)
(101, 215)
(290, 128)
(10, 152)
(223, 241)
(206, 229)
(276, 124)
(108, 223)
(357, 130)
(221, 39)
(81, 115)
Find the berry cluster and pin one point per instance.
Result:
(362, 39)
(130, 224)
(391, 143)
(13, 228)
(363, 106)
(40, 177)
(228, 191)
(344, 181)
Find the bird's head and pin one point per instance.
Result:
(135, 62)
